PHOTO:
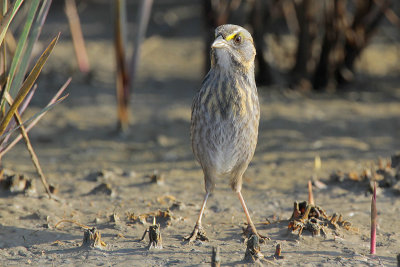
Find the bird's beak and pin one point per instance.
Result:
(220, 42)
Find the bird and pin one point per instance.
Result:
(225, 117)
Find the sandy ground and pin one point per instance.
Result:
(79, 150)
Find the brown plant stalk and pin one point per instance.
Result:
(122, 68)
(77, 36)
(29, 146)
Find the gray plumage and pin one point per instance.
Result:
(225, 111)
(225, 116)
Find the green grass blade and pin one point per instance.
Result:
(20, 46)
(8, 17)
(36, 29)
(4, 7)
(27, 85)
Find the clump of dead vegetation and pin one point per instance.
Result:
(164, 217)
(385, 174)
(312, 218)
(154, 232)
(307, 216)
(92, 239)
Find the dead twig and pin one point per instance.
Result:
(77, 36)
(278, 251)
(122, 81)
(71, 221)
(29, 146)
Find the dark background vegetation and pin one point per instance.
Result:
(312, 104)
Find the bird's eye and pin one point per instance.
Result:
(237, 39)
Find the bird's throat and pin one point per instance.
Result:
(222, 59)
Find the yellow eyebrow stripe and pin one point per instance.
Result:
(230, 37)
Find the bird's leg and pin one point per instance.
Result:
(198, 232)
(250, 223)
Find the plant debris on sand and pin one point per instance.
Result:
(79, 150)
(164, 217)
(314, 219)
(155, 239)
(386, 175)
(16, 183)
(92, 239)
(253, 251)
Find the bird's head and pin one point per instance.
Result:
(232, 48)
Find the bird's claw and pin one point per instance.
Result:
(197, 234)
(248, 232)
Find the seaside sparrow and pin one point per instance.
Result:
(225, 116)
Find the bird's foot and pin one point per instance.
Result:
(250, 231)
(197, 234)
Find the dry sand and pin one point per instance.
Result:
(76, 141)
